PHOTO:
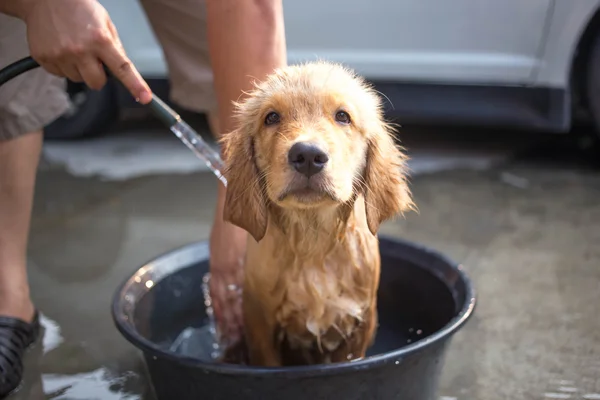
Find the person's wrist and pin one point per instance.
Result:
(221, 192)
(220, 206)
(18, 8)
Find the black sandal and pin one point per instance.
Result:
(15, 337)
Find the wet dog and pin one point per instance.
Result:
(313, 171)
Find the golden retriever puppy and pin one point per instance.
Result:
(312, 172)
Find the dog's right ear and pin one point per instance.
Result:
(245, 200)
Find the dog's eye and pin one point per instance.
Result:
(272, 118)
(342, 117)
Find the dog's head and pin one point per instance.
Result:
(309, 137)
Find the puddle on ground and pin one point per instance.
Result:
(98, 383)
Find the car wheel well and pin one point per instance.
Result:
(580, 65)
(93, 112)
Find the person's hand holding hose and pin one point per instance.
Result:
(73, 38)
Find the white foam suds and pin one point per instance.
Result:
(85, 386)
(52, 337)
(123, 156)
(567, 389)
(557, 395)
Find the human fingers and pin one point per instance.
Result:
(124, 70)
(71, 72)
(92, 72)
(51, 68)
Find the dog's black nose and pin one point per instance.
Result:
(307, 158)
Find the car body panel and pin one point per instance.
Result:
(411, 40)
(459, 41)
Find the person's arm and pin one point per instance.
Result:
(14, 8)
(73, 38)
(246, 43)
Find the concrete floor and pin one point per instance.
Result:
(521, 212)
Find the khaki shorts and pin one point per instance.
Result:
(33, 99)
(180, 28)
(36, 98)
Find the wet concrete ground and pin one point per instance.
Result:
(522, 212)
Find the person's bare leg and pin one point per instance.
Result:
(246, 41)
(18, 166)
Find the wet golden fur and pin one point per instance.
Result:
(312, 266)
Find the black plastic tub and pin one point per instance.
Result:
(424, 298)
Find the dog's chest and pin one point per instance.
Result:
(325, 300)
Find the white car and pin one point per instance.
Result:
(531, 64)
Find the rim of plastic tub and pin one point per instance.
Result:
(187, 255)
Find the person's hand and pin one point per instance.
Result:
(227, 253)
(72, 38)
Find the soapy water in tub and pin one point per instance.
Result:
(201, 343)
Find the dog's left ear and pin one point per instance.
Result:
(386, 190)
(245, 200)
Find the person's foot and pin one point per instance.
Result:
(19, 329)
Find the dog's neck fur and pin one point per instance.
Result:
(311, 232)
